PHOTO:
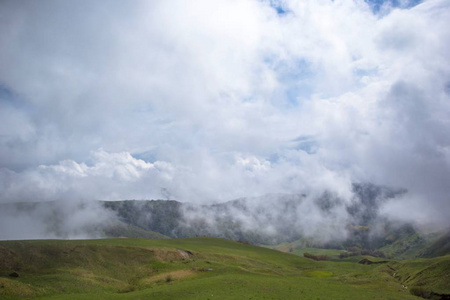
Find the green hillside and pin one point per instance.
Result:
(425, 277)
(439, 247)
(196, 268)
(408, 246)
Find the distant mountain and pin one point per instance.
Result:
(323, 220)
(271, 219)
(162, 216)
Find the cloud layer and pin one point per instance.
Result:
(206, 101)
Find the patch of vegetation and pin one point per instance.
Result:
(318, 273)
(421, 292)
(315, 257)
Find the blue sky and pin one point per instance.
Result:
(377, 4)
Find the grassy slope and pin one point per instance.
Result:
(432, 274)
(155, 269)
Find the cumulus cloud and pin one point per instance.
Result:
(112, 176)
(214, 100)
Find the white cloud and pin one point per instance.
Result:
(213, 95)
(112, 176)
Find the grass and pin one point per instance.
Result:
(428, 274)
(298, 248)
(197, 268)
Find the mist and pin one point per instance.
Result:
(54, 220)
(206, 102)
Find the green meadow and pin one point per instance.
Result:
(202, 268)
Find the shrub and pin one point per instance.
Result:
(315, 257)
(421, 292)
(244, 242)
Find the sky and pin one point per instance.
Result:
(207, 101)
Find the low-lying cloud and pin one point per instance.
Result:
(51, 220)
